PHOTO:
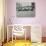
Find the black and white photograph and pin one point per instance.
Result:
(25, 8)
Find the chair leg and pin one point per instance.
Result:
(15, 38)
(12, 37)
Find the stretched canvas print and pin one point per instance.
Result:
(25, 8)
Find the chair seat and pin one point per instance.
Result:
(18, 33)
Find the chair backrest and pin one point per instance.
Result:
(18, 30)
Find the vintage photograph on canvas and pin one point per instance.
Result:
(25, 8)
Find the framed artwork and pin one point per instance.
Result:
(25, 8)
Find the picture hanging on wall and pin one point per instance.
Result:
(25, 8)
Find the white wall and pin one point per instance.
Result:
(40, 17)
